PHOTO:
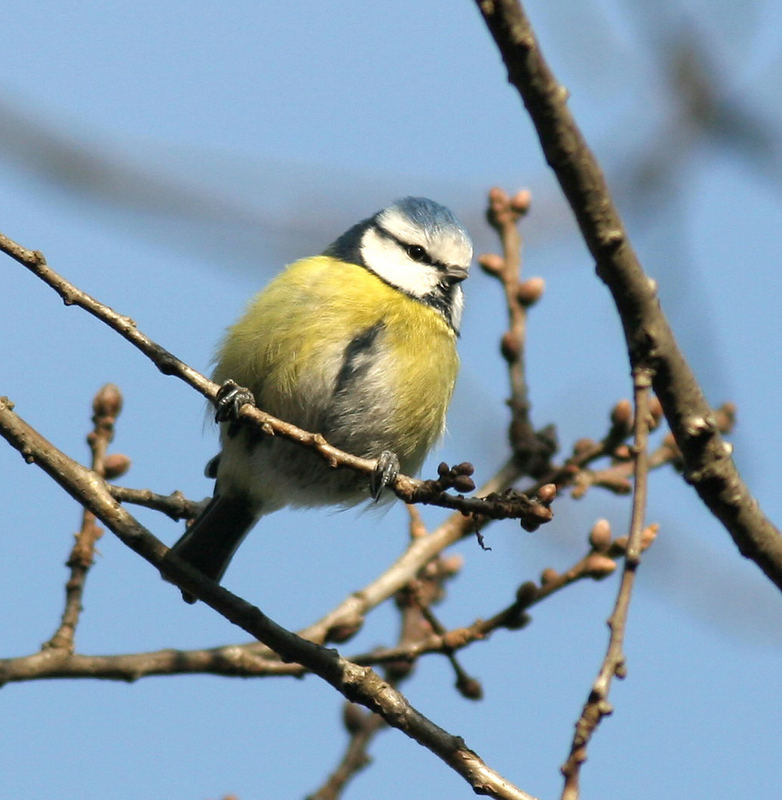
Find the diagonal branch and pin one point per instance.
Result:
(650, 341)
(358, 684)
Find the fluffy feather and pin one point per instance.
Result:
(364, 353)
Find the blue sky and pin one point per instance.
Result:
(230, 140)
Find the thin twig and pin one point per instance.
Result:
(174, 505)
(106, 406)
(532, 449)
(255, 660)
(362, 726)
(597, 705)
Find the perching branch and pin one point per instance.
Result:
(650, 341)
(356, 683)
(532, 511)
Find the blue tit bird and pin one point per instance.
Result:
(358, 344)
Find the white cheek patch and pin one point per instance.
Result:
(388, 260)
(444, 245)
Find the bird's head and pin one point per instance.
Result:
(416, 246)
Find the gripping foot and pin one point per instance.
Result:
(230, 398)
(385, 473)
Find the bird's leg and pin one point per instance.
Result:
(385, 472)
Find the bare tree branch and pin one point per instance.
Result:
(532, 449)
(362, 726)
(256, 661)
(650, 341)
(358, 684)
(598, 563)
(230, 661)
(106, 406)
(597, 705)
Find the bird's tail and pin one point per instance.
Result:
(211, 541)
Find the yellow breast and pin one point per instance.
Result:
(290, 345)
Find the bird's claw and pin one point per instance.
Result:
(230, 398)
(385, 472)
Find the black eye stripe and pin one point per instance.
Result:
(423, 256)
(442, 297)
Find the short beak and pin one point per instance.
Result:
(455, 274)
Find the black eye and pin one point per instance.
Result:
(416, 252)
